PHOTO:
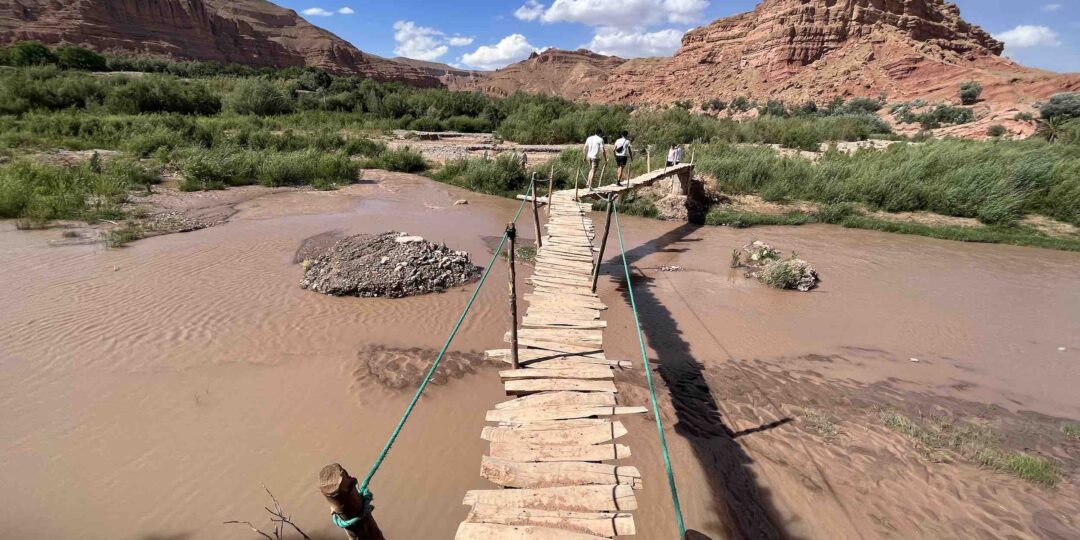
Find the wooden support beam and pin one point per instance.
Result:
(339, 489)
(511, 233)
(603, 242)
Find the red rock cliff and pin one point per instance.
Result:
(250, 32)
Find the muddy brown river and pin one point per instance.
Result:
(149, 392)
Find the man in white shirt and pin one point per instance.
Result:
(593, 151)
(623, 154)
(674, 155)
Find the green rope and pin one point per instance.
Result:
(652, 389)
(363, 487)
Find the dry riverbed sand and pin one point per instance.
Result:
(151, 389)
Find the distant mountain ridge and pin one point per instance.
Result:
(251, 32)
(784, 49)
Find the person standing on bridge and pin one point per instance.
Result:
(593, 151)
(674, 155)
(623, 154)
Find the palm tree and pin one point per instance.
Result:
(1051, 128)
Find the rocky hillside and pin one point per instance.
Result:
(570, 74)
(799, 50)
(251, 32)
(807, 49)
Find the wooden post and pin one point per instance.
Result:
(536, 214)
(340, 491)
(603, 242)
(603, 169)
(551, 185)
(511, 233)
(577, 178)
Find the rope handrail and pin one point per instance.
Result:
(362, 487)
(648, 376)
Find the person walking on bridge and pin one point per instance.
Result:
(593, 151)
(623, 154)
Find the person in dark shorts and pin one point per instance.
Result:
(623, 154)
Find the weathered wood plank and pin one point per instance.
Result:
(606, 524)
(560, 473)
(590, 373)
(591, 434)
(560, 399)
(524, 452)
(528, 386)
(599, 498)
(533, 355)
(542, 414)
(492, 531)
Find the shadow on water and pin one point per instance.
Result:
(749, 512)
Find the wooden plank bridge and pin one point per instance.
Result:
(557, 468)
(555, 441)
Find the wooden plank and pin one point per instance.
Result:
(600, 498)
(592, 434)
(579, 361)
(575, 348)
(528, 386)
(493, 531)
(543, 414)
(569, 334)
(517, 451)
(538, 355)
(559, 399)
(585, 371)
(559, 473)
(538, 322)
(606, 524)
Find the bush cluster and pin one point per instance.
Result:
(995, 182)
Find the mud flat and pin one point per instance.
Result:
(150, 390)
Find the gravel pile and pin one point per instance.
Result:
(391, 265)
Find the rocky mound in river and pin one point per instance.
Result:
(250, 32)
(391, 264)
(763, 263)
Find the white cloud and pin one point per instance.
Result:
(629, 44)
(512, 48)
(627, 14)
(424, 43)
(317, 12)
(419, 42)
(346, 10)
(1027, 35)
(1050, 8)
(531, 11)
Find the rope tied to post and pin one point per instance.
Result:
(362, 487)
(648, 376)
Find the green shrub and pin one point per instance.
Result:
(802, 138)
(399, 160)
(80, 58)
(31, 53)
(970, 92)
(500, 176)
(258, 97)
(996, 130)
(861, 106)
(157, 93)
(774, 108)
(1065, 105)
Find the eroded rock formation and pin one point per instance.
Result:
(250, 32)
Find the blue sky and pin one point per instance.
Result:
(487, 34)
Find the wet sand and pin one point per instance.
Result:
(150, 390)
